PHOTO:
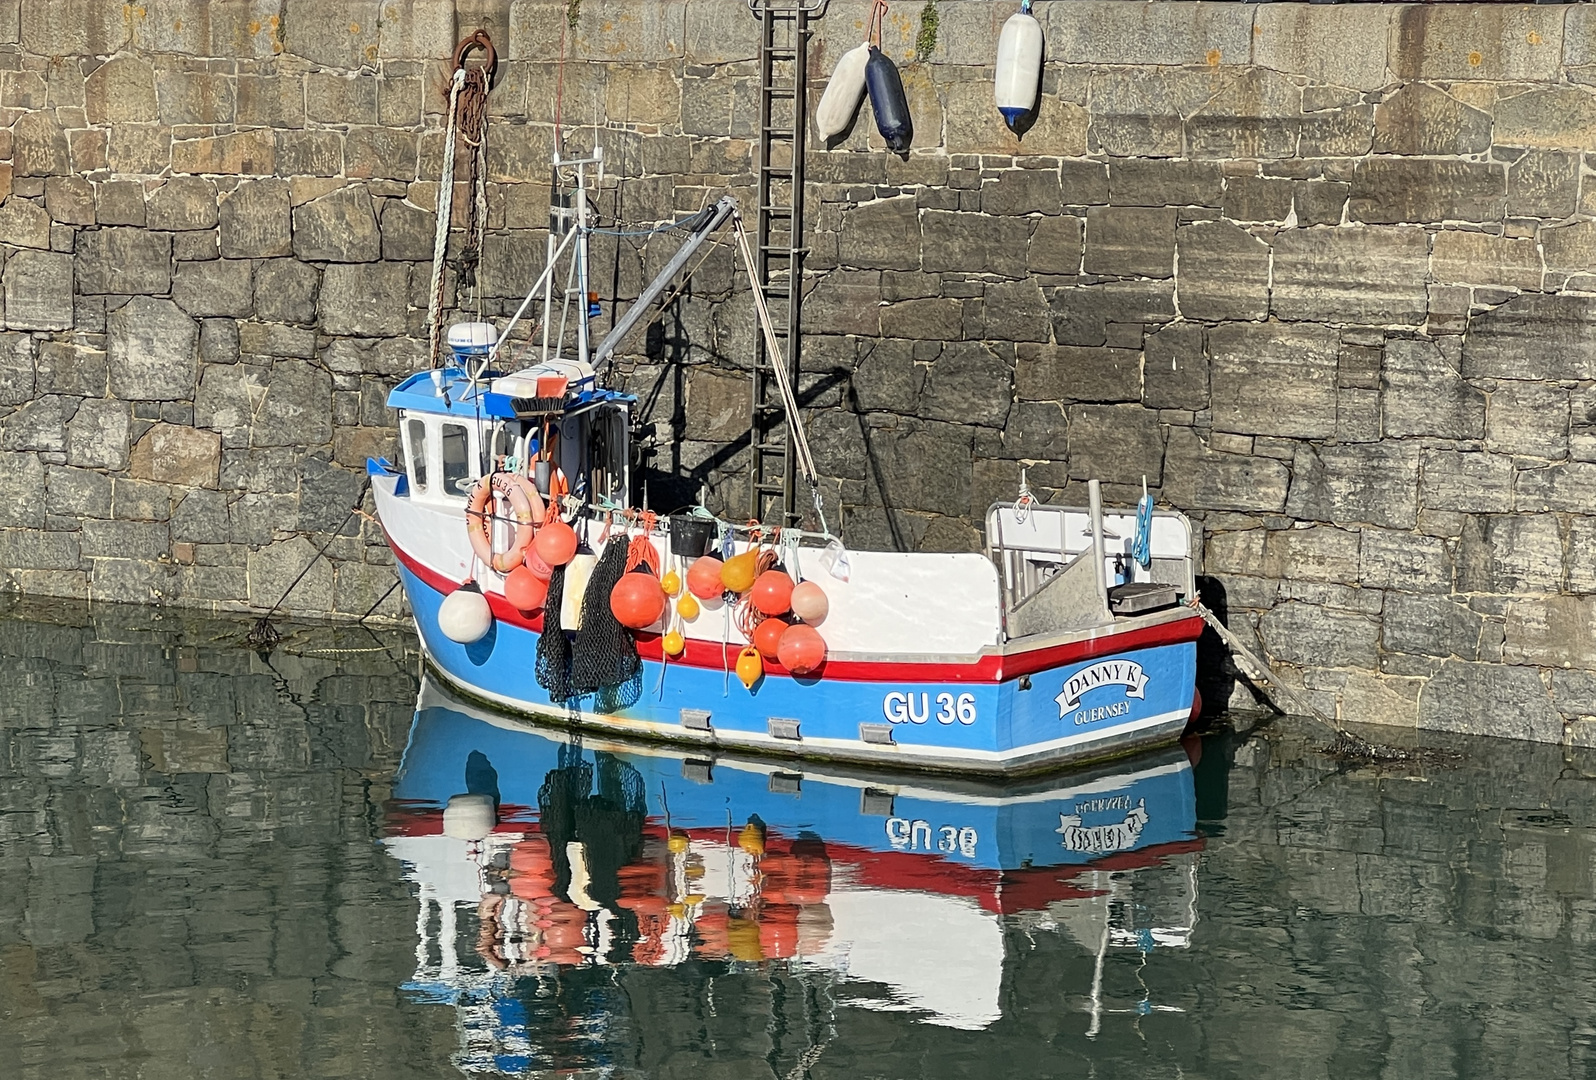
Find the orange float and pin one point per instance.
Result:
(525, 590)
(703, 578)
(802, 650)
(637, 601)
(767, 637)
(556, 543)
(772, 593)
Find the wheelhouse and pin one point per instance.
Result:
(454, 428)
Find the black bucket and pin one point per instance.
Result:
(692, 535)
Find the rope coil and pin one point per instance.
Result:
(468, 120)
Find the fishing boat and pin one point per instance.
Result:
(539, 582)
(536, 853)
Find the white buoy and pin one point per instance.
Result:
(843, 93)
(1019, 65)
(469, 817)
(464, 615)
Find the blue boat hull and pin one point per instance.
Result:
(1097, 708)
(1077, 820)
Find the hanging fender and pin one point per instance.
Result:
(1018, 75)
(843, 93)
(526, 510)
(888, 101)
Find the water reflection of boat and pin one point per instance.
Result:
(535, 854)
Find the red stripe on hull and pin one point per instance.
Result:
(986, 667)
(1010, 891)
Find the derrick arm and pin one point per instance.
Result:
(710, 220)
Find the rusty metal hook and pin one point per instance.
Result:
(478, 40)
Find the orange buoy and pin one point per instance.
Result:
(810, 603)
(534, 562)
(802, 650)
(739, 571)
(750, 668)
(767, 637)
(525, 590)
(703, 578)
(555, 543)
(637, 601)
(772, 593)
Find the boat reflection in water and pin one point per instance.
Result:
(536, 853)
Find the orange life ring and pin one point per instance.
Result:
(540, 512)
(526, 512)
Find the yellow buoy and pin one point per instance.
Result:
(739, 571)
(687, 607)
(674, 643)
(742, 940)
(671, 583)
(750, 666)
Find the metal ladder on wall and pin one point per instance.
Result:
(780, 250)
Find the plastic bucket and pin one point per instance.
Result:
(691, 535)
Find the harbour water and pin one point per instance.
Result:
(220, 863)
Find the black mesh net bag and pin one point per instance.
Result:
(604, 655)
(554, 648)
(605, 817)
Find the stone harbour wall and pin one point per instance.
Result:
(1323, 275)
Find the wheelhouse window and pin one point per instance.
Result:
(416, 452)
(455, 443)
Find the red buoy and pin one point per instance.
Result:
(555, 543)
(767, 638)
(772, 593)
(637, 601)
(525, 590)
(703, 578)
(802, 650)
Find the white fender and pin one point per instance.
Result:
(1019, 66)
(469, 817)
(578, 572)
(464, 616)
(843, 94)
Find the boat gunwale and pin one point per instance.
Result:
(1013, 659)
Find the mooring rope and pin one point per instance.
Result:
(468, 120)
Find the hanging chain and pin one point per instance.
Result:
(473, 127)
